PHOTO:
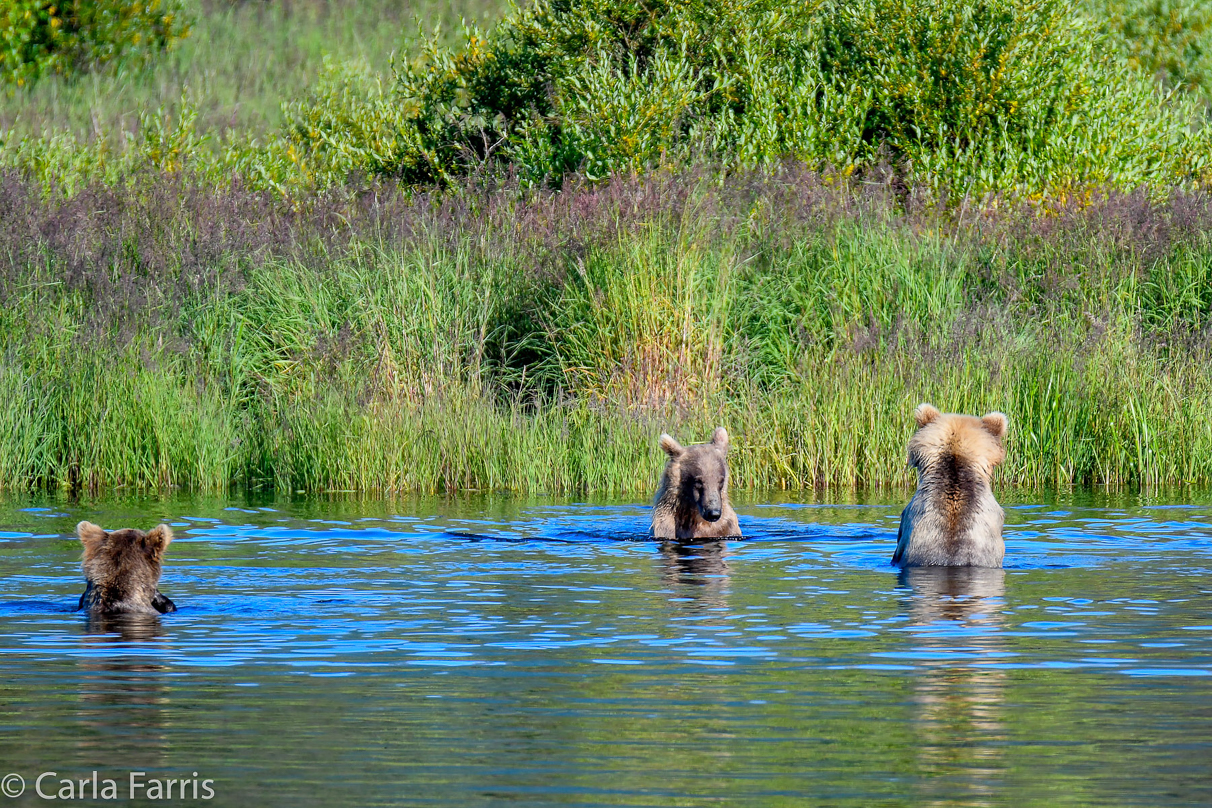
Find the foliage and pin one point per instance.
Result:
(960, 96)
(163, 333)
(168, 321)
(966, 95)
(161, 143)
(1168, 38)
(239, 64)
(349, 124)
(65, 36)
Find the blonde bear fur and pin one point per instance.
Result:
(692, 498)
(953, 520)
(122, 570)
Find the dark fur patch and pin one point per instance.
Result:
(702, 482)
(959, 490)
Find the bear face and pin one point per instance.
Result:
(122, 570)
(953, 519)
(692, 498)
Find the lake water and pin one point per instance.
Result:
(492, 651)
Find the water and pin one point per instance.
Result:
(488, 651)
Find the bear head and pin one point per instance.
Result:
(949, 440)
(699, 473)
(122, 569)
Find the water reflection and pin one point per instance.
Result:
(123, 674)
(971, 595)
(957, 617)
(697, 570)
(332, 653)
(100, 630)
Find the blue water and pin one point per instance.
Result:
(487, 651)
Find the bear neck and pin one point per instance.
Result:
(955, 488)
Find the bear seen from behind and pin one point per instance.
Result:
(953, 519)
(122, 570)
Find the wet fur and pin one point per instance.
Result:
(122, 570)
(681, 508)
(953, 520)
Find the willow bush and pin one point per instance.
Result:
(65, 36)
(968, 96)
(1170, 39)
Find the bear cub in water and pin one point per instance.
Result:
(953, 519)
(692, 498)
(122, 569)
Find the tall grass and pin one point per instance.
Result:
(161, 334)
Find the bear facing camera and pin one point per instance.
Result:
(692, 498)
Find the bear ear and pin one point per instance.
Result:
(159, 537)
(91, 536)
(671, 446)
(996, 424)
(720, 437)
(924, 414)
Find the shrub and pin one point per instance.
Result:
(162, 142)
(39, 36)
(1008, 95)
(971, 95)
(349, 123)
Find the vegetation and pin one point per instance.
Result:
(969, 96)
(37, 36)
(525, 253)
(965, 97)
(493, 339)
(1172, 40)
(214, 102)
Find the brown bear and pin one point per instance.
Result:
(953, 519)
(692, 499)
(122, 569)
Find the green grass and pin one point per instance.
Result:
(242, 60)
(543, 342)
(158, 330)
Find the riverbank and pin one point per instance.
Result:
(170, 334)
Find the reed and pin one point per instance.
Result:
(171, 334)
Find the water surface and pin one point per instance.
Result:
(488, 651)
